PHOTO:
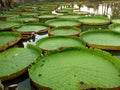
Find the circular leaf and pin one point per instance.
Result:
(58, 42)
(103, 39)
(76, 69)
(14, 61)
(8, 39)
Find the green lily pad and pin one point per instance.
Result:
(63, 22)
(69, 16)
(31, 9)
(115, 21)
(29, 14)
(94, 20)
(15, 61)
(58, 42)
(23, 19)
(64, 11)
(8, 39)
(103, 39)
(3, 17)
(64, 31)
(7, 25)
(29, 28)
(115, 27)
(81, 12)
(76, 69)
(47, 16)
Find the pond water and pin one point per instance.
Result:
(110, 9)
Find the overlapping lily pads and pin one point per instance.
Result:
(8, 39)
(64, 31)
(15, 61)
(63, 22)
(102, 39)
(58, 42)
(76, 69)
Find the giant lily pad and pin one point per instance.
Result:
(81, 12)
(29, 28)
(64, 31)
(3, 17)
(47, 16)
(7, 25)
(76, 69)
(74, 16)
(94, 20)
(64, 11)
(23, 19)
(115, 21)
(8, 39)
(58, 42)
(63, 22)
(15, 61)
(103, 39)
(29, 14)
(115, 27)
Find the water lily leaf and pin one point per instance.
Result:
(94, 20)
(47, 16)
(76, 69)
(116, 21)
(8, 39)
(115, 27)
(22, 19)
(15, 61)
(63, 22)
(102, 39)
(29, 28)
(58, 42)
(7, 25)
(64, 31)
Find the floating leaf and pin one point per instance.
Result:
(64, 31)
(115, 27)
(29, 28)
(102, 39)
(63, 22)
(94, 20)
(58, 42)
(8, 39)
(15, 61)
(76, 69)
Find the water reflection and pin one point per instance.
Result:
(110, 9)
(34, 39)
